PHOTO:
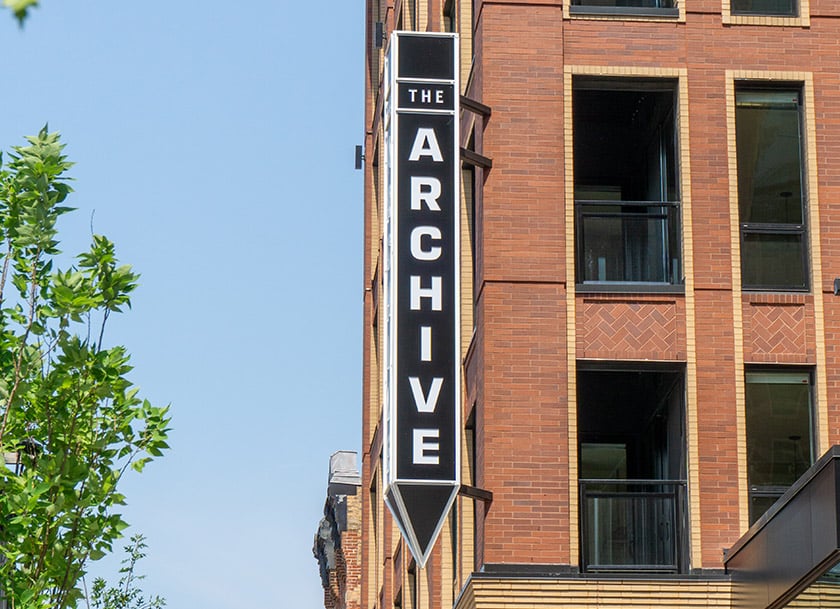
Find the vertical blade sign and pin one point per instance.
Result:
(421, 379)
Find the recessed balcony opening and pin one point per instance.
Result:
(632, 470)
(626, 181)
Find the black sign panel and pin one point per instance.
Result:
(422, 351)
(426, 298)
(426, 57)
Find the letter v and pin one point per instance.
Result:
(425, 404)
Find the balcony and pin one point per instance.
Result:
(633, 525)
(628, 242)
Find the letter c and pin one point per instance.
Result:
(432, 253)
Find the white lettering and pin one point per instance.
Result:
(425, 403)
(425, 343)
(420, 196)
(425, 96)
(412, 93)
(417, 234)
(434, 293)
(439, 96)
(425, 144)
(423, 445)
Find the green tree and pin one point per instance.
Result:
(20, 8)
(127, 593)
(71, 423)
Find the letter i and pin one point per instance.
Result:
(425, 343)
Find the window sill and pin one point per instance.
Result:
(627, 287)
(774, 290)
(770, 15)
(766, 20)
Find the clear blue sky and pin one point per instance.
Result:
(214, 144)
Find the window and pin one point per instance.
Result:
(375, 65)
(468, 175)
(450, 22)
(782, 8)
(627, 208)
(771, 193)
(453, 531)
(413, 593)
(472, 477)
(780, 439)
(408, 15)
(631, 443)
(625, 7)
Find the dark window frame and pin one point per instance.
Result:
(667, 210)
(450, 16)
(651, 482)
(633, 8)
(750, 12)
(754, 230)
(772, 491)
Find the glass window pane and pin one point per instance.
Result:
(603, 460)
(625, 247)
(630, 529)
(771, 194)
(773, 261)
(779, 434)
(626, 3)
(769, 157)
(760, 503)
(624, 140)
(765, 7)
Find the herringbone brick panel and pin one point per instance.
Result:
(629, 329)
(775, 330)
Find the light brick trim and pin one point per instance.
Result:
(814, 235)
(571, 316)
(467, 279)
(487, 593)
(465, 29)
(737, 304)
(806, 80)
(823, 594)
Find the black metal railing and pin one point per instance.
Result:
(627, 3)
(633, 525)
(628, 242)
(626, 7)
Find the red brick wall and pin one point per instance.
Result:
(524, 428)
(522, 50)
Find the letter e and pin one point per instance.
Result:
(424, 444)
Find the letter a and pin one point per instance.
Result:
(425, 144)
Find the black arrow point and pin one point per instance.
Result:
(425, 507)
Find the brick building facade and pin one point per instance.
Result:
(650, 324)
(337, 545)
